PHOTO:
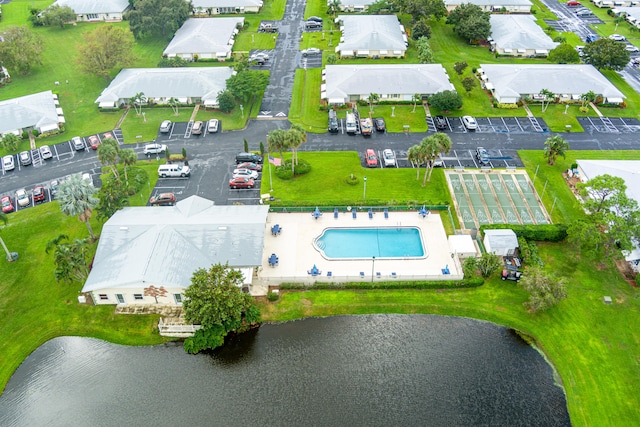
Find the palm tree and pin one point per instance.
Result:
(11, 256)
(434, 145)
(70, 258)
(296, 136)
(108, 155)
(416, 97)
(276, 141)
(547, 95)
(137, 100)
(555, 146)
(373, 97)
(588, 97)
(128, 157)
(76, 197)
(414, 156)
(174, 103)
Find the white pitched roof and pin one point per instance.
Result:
(164, 246)
(500, 241)
(371, 32)
(345, 80)
(519, 32)
(180, 82)
(513, 80)
(82, 7)
(226, 3)
(37, 110)
(204, 35)
(494, 3)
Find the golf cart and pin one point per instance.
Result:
(511, 272)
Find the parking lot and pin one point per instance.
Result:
(456, 159)
(182, 130)
(493, 125)
(609, 124)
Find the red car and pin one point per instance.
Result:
(107, 135)
(163, 199)
(573, 3)
(94, 141)
(39, 194)
(7, 204)
(241, 182)
(251, 166)
(372, 159)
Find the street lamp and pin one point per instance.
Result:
(373, 267)
(364, 196)
(242, 110)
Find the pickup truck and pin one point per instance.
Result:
(366, 126)
(268, 28)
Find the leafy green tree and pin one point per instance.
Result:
(76, 197)
(421, 29)
(11, 256)
(70, 259)
(112, 197)
(422, 9)
(446, 100)
(128, 158)
(474, 28)
(108, 155)
(58, 15)
(226, 101)
(544, 290)
(564, 53)
(381, 7)
(425, 54)
(469, 83)
(104, 49)
(215, 301)
(606, 53)
(157, 17)
(21, 49)
(488, 264)
(332, 58)
(602, 193)
(555, 146)
(460, 67)
(464, 12)
(247, 85)
(10, 142)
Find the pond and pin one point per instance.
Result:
(347, 370)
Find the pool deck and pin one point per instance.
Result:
(297, 255)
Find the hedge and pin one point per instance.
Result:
(434, 284)
(537, 233)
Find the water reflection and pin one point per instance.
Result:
(349, 370)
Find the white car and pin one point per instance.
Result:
(469, 122)
(45, 152)
(311, 51)
(212, 126)
(259, 55)
(22, 198)
(245, 173)
(8, 163)
(165, 126)
(389, 158)
(154, 149)
(617, 37)
(78, 143)
(631, 48)
(87, 177)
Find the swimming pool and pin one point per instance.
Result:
(379, 242)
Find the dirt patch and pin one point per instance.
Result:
(572, 182)
(627, 272)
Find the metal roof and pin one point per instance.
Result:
(371, 32)
(82, 7)
(179, 82)
(514, 80)
(37, 110)
(204, 35)
(494, 3)
(345, 80)
(500, 241)
(519, 32)
(163, 246)
(226, 3)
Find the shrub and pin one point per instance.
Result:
(535, 232)
(272, 296)
(352, 180)
(508, 106)
(301, 168)
(35, 132)
(435, 284)
(284, 172)
(529, 252)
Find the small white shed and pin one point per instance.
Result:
(462, 245)
(500, 242)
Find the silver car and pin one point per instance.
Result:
(8, 163)
(154, 149)
(45, 152)
(469, 122)
(245, 173)
(388, 157)
(165, 127)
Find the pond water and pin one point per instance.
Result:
(404, 370)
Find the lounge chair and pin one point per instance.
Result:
(362, 274)
(370, 213)
(353, 213)
(386, 213)
(329, 274)
(393, 274)
(335, 213)
(378, 275)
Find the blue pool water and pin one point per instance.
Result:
(379, 242)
